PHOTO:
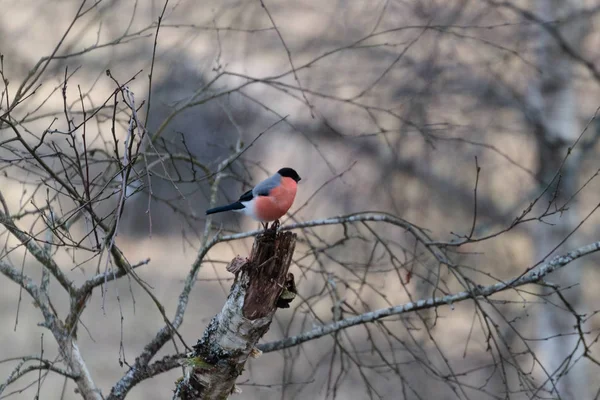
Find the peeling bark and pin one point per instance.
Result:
(220, 355)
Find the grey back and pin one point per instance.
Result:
(264, 187)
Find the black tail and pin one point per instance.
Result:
(233, 206)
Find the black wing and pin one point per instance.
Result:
(246, 196)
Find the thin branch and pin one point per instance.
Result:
(158, 25)
(477, 170)
(43, 364)
(38, 252)
(549, 27)
(366, 216)
(289, 56)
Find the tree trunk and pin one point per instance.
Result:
(262, 284)
(557, 129)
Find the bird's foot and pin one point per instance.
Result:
(275, 225)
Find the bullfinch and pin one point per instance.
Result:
(269, 200)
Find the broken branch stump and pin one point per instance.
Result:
(262, 284)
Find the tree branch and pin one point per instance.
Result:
(66, 342)
(167, 363)
(532, 276)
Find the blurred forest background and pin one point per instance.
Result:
(472, 120)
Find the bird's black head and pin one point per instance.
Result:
(289, 173)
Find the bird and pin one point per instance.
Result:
(269, 200)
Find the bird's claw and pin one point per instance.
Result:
(275, 225)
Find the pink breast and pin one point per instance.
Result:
(279, 201)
